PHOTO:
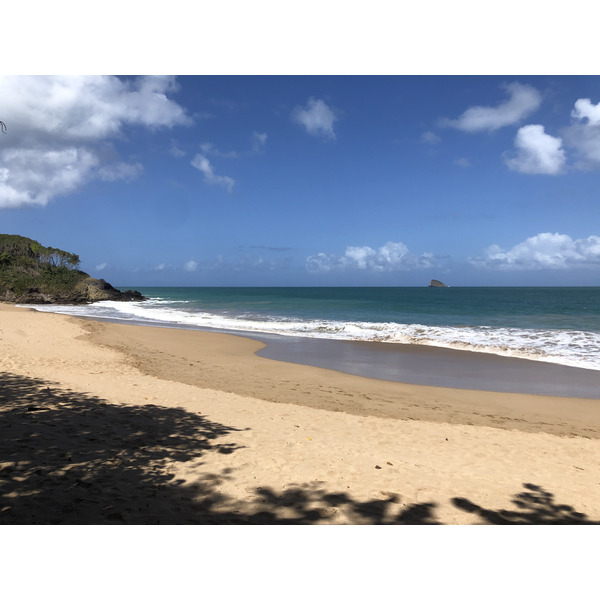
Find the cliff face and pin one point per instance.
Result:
(33, 274)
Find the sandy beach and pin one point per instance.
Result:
(117, 424)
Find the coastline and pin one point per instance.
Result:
(437, 366)
(420, 364)
(197, 421)
(204, 359)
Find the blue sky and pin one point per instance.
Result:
(308, 180)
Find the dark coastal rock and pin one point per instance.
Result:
(133, 295)
(84, 292)
(95, 290)
(436, 283)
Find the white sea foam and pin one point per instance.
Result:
(571, 348)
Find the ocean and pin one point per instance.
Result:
(558, 325)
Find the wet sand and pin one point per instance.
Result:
(113, 424)
(204, 360)
(432, 366)
(417, 364)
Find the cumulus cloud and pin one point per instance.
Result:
(60, 128)
(524, 100)
(101, 266)
(393, 256)
(203, 165)
(316, 117)
(584, 134)
(190, 265)
(36, 175)
(542, 251)
(537, 152)
(584, 109)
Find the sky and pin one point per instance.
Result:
(308, 180)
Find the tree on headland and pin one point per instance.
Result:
(54, 256)
(22, 249)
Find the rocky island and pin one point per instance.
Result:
(34, 274)
(436, 283)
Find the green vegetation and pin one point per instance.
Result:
(26, 266)
(31, 273)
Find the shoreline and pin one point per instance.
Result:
(105, 423)
(204, 359)
(438, 367)
(418, 364)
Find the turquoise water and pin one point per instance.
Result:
(553, 308)
(557, 324)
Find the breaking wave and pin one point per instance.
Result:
(565, 347)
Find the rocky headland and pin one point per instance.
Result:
(34, 274)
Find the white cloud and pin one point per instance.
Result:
(428, 137)
(393, 256)
(203, 165)
(101, 266)
(537, 152)
(316, 117)
(523, 101)
(542, 251)
(35, 175)
(60, 129)
(584, 133)
(258, 141)
(584, 109)
(190, 265)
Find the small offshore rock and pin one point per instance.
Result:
(436, 283)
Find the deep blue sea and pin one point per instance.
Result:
(553, 324)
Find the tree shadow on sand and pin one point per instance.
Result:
(71, 458)
(536, 507)
(309, 504)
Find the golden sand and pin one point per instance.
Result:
(106, 423)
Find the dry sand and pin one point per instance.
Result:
(104, 423)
